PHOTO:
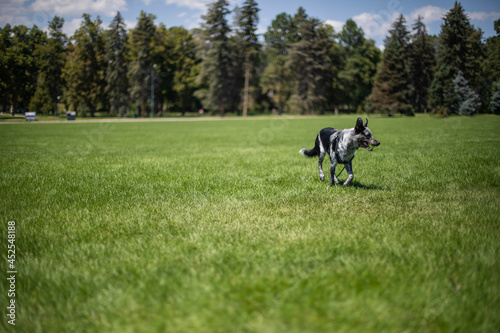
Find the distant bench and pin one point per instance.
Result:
(30, 116)
(71, 115)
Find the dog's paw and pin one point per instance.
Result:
(322, 178)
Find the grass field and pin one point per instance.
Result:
(221, 226)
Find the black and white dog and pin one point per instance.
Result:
(341, 146)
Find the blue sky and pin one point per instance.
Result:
(374, 16)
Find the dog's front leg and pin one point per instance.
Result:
(333, 177)
(348, 168)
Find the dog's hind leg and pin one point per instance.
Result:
(348, 168)
(333, 165)
(322, 153)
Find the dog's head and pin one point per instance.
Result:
(364, 135)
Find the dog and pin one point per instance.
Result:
(341, 146)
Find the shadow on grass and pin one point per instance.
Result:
(358, 185)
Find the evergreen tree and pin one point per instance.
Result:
(217, 66)
(391, 90)
(116, 73)
(179, 66)
(459, 49)
(142, 64)
(358, 61)
(85, 67)
(466, 100)
(52, 57)
(247, 26)
(495, 99)
(491, 65)
(310, 61)
(421, 64)
(277, 78)
(5, 68)
(23, 64)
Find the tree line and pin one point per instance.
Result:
(300, 65)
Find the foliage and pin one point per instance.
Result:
(217, 67)
(302, 66)
(310, 62)
(358, 58)
(52, 57)
(116, 73)
(495, 99)
(85, 69)
(466, 101)
(421, 63)
(391, 91)
(246, 32)
(141, 65)
(459, 49)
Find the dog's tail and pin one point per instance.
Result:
(309, 152)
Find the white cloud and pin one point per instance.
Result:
(77, 8)
(429, 14)
(15, 13)
(337, 25)
(130, 24)
(375, 26)
(182, 14)
(192, 4)
(483, 16)
(146, 2)
(70, 27)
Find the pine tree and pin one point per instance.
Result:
(277, 80)
(23, 64)
(217, 66)
(310, 61)
(495, 99)
(459, 49)
(247, 23)
(390, 93)
(52, 57)
(466, 100)
(142, 64)
(357, 66)
(85, 67)
(116, 74)
(421, 64)
(5, 69)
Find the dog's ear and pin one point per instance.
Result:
(359, 125)
(366, 124)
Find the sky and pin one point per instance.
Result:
(374, 16)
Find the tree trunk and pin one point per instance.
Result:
(245, 93)
(222, 109)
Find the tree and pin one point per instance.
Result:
(217, 65)
(22, 64)
(277, 79)
(5, 69)
(175, 51)
(116, 73)
(390, 93)
(421, 62)
(247, 23)
(310, 61)
(142, 63)
(357, 66)
(466, 100)
(52, 57)
(85, 67)
(495, 99)
(459, 49)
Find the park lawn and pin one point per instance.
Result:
(221, 226)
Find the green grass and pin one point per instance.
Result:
(221, 226)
